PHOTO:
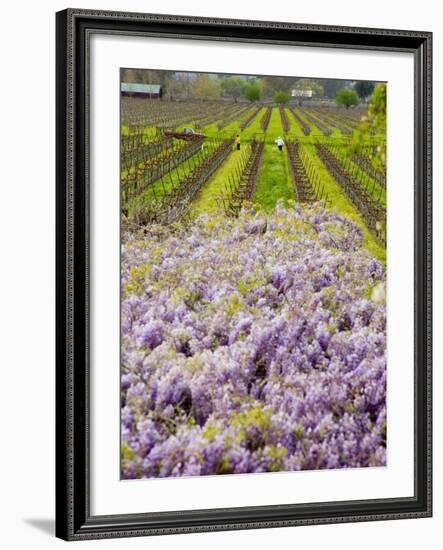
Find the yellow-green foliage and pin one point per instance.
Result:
(126, 452)
(299, 431)
(255, 417)
(224, 466)
(245, 286)
(210, 431)
(137, 276)
(235, 304)
(277, 454)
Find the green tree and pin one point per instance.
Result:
(373, 125)
(281, 97)
(377, 109)
(176, 87)
(232, 86)
(346, 97)
(252, 91)
(272, 84)
(331, 86)
(364, 88)
(129, 75)
(146, 76)
(206, 87)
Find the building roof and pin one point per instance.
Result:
(140, 88)
(301, 93)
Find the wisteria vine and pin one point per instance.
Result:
(252, 344)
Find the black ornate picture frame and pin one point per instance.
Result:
(73, 517)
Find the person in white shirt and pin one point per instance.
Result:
(279, 141)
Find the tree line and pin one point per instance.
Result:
(187, 85)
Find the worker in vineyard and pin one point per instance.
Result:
(279, 141)
(237, 142)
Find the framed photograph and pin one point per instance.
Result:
(243, 274)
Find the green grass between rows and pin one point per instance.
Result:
(274, 181)
(206, 199)
(337, 201)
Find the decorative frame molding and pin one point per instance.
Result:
(73, 31)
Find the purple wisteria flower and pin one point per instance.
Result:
(252, 344)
